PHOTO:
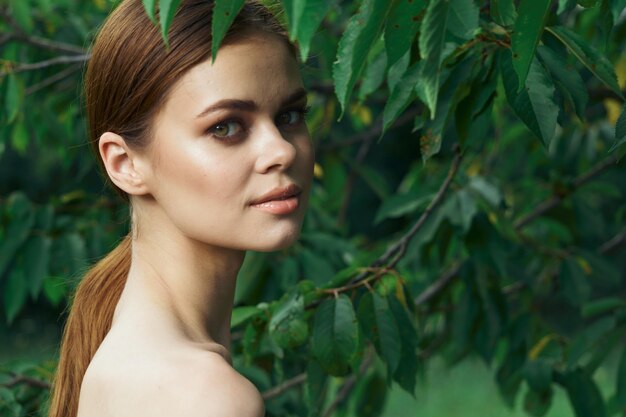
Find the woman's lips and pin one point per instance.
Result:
(279, 206)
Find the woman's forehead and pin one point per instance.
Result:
(252, 69)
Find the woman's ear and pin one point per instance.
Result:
(122, 165)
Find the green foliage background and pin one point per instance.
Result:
(468, 200)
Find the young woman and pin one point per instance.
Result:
(214, 159)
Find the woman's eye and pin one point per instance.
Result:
(292, 117)
(226, 129)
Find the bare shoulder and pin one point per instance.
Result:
(218, 390)
(193, 384)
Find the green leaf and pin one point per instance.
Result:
(463, 18)
(9, 405)
(509, 375)
(22, 13)
(248, 277)
(406, 374)
(288, 325)
(534, 105)
(503, 12)
(380, 327)
(597, 63)
(621, 381)
(21, 218)
(167, 10)
(361, 33)
(460, 208)
(20, 138)
(397, 70)
(308, 15)
(401, 95)
(55, 289)
(583, 394)
(464, 317)
(537, 403)
(568, 79)
(538, 374)
(15, 293)
(370, 395)
(288, 272)
(431, 42)
(602, 305)
(531, 17)
(588, 339)
(37, 255)
(13, 98)
(565, 6)
(371, 177)
(335, 334)
(242, 314)
(401, 28)
(373, 76)
(574, 282)
(315, 388)
(617, 7)
(315, 267)
(150, 6)
(401, 204)
(485, 189)
(620, 131)
(224, 13)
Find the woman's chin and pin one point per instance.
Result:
(269, 244)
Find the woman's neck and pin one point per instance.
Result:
(181, 288)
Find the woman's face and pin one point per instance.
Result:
(228, 134)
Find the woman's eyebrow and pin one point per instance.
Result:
(249, 105)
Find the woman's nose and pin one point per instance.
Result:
(275, 149)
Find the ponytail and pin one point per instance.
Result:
(89, 320)
(129, 75)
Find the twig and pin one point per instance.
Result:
(5, 38)
(607, 246)
(613, 243)
(20, 34)
(555, 199)
(64, 59)
(447, 276)
(49, 44)
(279, 389)
(437, 286)
(399, 248)
(53, 79)
(23, 379)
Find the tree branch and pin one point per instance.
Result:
(23, 379)
(399, 248)
(49, 44)
(437, 286)
(52, 79)
(613, 243)
(20, 34)
(555, 199)
(64, 59)
(279, 389)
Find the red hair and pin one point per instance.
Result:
(127, 80)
